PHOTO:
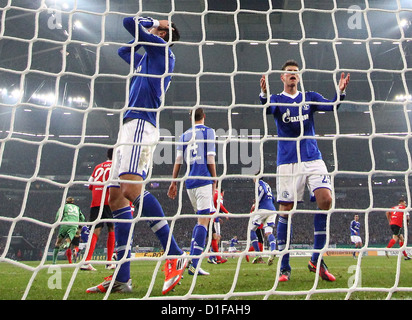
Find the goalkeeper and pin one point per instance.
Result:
(69, 213)
(298, 165)
(138, 137)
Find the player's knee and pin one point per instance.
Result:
(325, 202)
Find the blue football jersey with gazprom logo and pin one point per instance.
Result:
(195, 153)
(291, 115)
(152, 70)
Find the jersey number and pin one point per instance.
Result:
(102, 174)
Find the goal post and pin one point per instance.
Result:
(64, 90)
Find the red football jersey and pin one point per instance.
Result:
(100, 173)
(222, 207)
(397, 216)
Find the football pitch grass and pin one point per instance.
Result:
(234, 280)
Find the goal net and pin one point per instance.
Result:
(63, 93)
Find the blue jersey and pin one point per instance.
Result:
(152, 72)
(354, 228)
(233, 242)
(288, 118)
(84, 234)
(196, 152)
(265, 197)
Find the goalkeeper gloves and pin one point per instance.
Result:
(148, 22)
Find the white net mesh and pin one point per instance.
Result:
(64, 90)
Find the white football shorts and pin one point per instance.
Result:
(202, 198)
(355, 239)
(134, 154)
(292, 178)
(265, 216)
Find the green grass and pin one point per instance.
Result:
(257, 279)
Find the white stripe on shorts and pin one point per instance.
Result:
(138, 135)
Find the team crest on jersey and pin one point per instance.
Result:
(285, 194)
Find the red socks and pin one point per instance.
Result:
(110, 245)
(391, 243)
(215, 247)
(69, 255)
(92, 246)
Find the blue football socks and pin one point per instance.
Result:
(282, 235)
(160, 227)
(254, 240)
(198, 242)
(319, 222)
(122, 232)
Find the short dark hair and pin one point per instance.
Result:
(175, 33)
(199, 114)
(290, 63)
(110, 154)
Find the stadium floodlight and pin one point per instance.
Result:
(405, 23)
(78, 25)
(403, 97)
(16, 93)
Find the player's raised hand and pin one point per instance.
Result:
(263, 84)
(344, 81)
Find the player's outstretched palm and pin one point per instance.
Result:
(344, 81)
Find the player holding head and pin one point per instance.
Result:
(294, 117)
(264, 212)
(199, 150)
(395, 219)
(355, 233)
(138, 137)
(97, 180)
(69, 213)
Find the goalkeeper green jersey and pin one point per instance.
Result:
(71, 213)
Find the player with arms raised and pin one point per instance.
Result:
(298, 165)
(138, 137)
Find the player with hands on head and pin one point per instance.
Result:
(133, 155)
(300, 165)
